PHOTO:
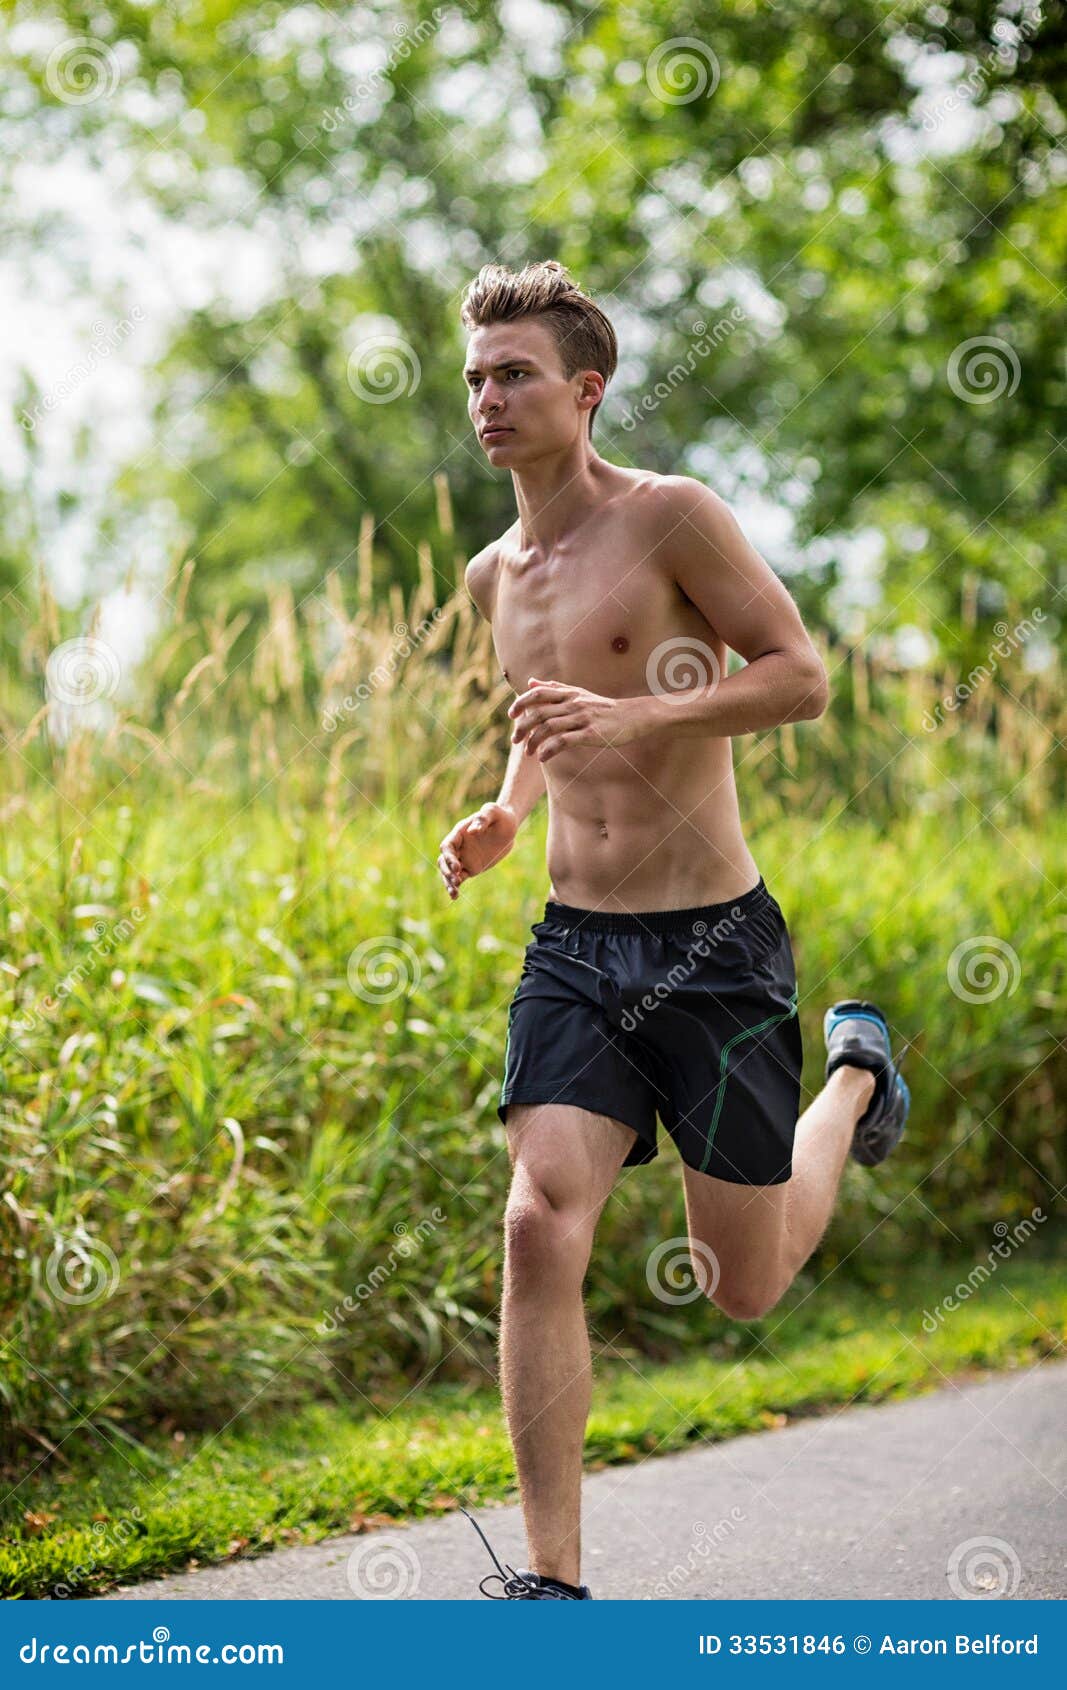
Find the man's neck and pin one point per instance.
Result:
(557, 494)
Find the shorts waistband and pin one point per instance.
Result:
(655, 921)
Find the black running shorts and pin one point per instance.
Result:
(688, 1014)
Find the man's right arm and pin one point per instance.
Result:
(480, 840)
(523, 784)
(524, 777)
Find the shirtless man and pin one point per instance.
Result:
(661, 980)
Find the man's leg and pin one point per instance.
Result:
(565, 1161)
(761, 1236)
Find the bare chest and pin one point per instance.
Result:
(594, 617)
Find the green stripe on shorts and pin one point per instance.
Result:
(745, 1033)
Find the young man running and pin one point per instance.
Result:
(661, 980)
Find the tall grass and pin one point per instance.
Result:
(212, 1138)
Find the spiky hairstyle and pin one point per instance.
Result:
(585, 337)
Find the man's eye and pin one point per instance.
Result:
(475, 380)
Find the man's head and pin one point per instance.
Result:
(539, 356)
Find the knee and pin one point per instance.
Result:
(542, 1241)
(745, 1302)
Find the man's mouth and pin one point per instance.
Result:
(492, 432)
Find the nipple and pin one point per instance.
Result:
(620, 643)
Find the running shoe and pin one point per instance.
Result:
(523, 1585)
(857, 1033)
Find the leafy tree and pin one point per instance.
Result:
(829, 284)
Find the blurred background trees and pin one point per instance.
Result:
(831, 235)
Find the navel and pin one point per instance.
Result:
(620, 643)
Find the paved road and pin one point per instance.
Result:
(861, 1502)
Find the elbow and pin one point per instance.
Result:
(814, 693)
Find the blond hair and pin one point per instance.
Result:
(583, 334)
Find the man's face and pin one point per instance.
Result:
(515, 381)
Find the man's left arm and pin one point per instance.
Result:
(741, 597)
(748, 606)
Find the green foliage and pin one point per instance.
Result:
(220, 1123)
(838, 237)
(120, 1512)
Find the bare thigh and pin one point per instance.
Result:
(742, 1228)
(565, 1160)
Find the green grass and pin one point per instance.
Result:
(241, 1141)
(112, 1511)
(216, 1129)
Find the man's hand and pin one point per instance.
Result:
(553, 717)
(476, 843)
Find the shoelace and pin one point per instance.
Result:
(515, 1588)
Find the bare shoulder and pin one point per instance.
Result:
(480, 577)
(659, 499)
(677, 496)
(679, 511)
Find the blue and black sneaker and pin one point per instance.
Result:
(857, 1033)
(524, 1586)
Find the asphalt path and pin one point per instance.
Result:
(961, 1493)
